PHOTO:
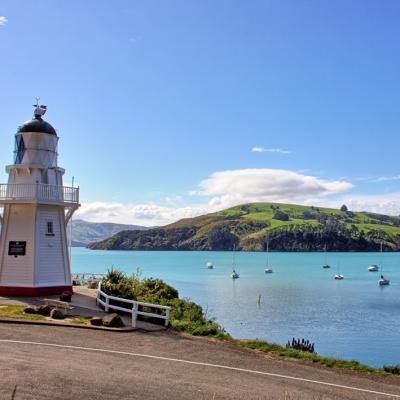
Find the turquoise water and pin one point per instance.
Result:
(353, 318)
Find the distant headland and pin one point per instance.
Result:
(247, 227)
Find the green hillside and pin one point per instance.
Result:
(289, 228)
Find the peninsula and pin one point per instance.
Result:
(246, 227)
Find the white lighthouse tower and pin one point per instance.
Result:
(34, 257)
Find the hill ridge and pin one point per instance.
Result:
(289, 227)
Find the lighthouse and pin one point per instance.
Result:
(34, 258)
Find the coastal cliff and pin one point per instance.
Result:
(246, 227)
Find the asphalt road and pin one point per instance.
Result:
(42, 362)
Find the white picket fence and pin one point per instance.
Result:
(134, 310)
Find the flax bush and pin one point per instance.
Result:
(186, 316)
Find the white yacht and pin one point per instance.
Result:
(210, 265)
(234, 274)
(373, 268)
(326, 265)
(268, 270)
(382, 280)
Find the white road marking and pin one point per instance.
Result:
(177, 360)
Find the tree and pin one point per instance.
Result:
(344, 208)
(281, 216)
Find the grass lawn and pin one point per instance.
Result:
(17, 311)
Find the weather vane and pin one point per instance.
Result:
(40, 110)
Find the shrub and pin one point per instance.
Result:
(186, 316)
(392, 369)
(281, 216)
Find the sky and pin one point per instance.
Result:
(171, 109)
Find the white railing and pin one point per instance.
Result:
(134, 310)
(38, 192)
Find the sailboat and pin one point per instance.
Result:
(234, 274)
(382, 280)
(375, 267)
(326, 265)
(339, 276)
(268, 270)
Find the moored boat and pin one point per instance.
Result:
(268, 270)
(234, 275)
(210, 265)
(383, 281)
(373, 268)
(326, 265)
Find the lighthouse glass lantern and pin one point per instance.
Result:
(34, 257)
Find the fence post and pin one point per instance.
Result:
(107, 303)
(134, 314)
(167, 317)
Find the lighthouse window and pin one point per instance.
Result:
(50, 231)
(19, 149)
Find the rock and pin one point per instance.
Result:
(94, 284)
(96, 321)
(112, 321)
(44, 310)
(31, 310)
(56, 314)
(66, 296)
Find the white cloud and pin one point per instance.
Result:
(3, 20)
(387, 178)
(228, 188)
(258, 149)
(146, 214)
(382, 204)
(253, 185)
(220, 190)
(135, 39)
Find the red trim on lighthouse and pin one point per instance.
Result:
(33, 291)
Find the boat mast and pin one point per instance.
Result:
(267, 251)
(233, 258)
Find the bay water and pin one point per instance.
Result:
(353, 318)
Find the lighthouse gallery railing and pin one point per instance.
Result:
(38, 192)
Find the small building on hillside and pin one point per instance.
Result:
(34, 257)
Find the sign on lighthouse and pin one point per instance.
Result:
(34, 258)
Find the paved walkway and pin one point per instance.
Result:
(83, 303)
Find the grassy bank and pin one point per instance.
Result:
(279, 350)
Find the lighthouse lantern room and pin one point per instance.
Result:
(34, 258)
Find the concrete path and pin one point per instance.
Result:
(60, 363)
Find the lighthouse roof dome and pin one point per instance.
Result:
(37, 124)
